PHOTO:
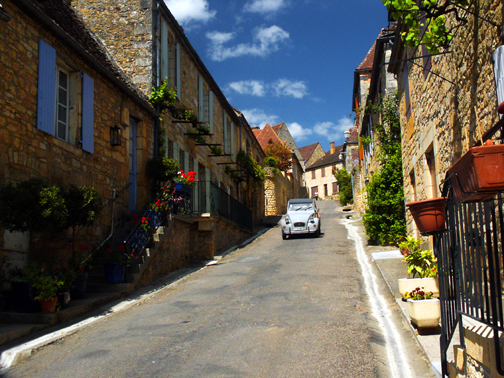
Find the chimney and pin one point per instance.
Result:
(333, 148)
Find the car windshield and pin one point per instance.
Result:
(300, 206)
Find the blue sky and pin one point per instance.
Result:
(288, 61)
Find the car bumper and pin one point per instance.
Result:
(288, 230)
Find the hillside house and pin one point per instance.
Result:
(320, 180)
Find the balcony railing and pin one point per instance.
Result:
(209, 198)
(470, 263)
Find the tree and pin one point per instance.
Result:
(384, 218)
(282, 153)
(425, 20)
(344, 180)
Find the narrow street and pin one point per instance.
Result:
(293, 308)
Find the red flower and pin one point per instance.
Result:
(109, 249)
(82, 247)
(121, 248)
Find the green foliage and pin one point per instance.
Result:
(162, 169)
(228, 170)
(421, 263)
(344, 180)
(163, 96)
(365, 140)
(428, 15)
(216, 150)
(33, 205)
(282, 153)
(47, 286)
(384, 219)
(250, 166)
(82, 203)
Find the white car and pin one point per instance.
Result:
(302, 217)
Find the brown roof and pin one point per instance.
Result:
(307, 151)
(265, 135)
(367, 63)
(327, 159)
(277, 128)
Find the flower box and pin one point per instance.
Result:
(424, 313)
(429, 215)
(184, 188)
(407, 285)
(479, 173)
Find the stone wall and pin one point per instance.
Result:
(450, 110)
(183, 242)
(27, 152)
(278, 189)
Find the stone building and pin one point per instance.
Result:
(372, 81)
(448, 102)
(278, 189)
(147, 42)
(320, 180)
(60, 96)
(311, 153)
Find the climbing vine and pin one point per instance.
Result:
(384, 219)
(425, 20)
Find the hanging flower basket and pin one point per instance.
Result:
(479, 173)
(429, 215)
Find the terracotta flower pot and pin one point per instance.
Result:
(48, 306)
(479, 173)
(429, 215)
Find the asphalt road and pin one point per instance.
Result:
(293, 308)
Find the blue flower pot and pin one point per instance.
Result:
(181, 187)
(114, 272)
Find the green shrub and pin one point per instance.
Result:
(344, 180)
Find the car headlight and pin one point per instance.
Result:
(287, 219)
(312, 218)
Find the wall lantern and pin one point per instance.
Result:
(3, 15)
(115, 136)
(347, 134)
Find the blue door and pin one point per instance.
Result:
(132, 165)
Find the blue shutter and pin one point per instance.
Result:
(46, 101)
(210, 111)
(87, 113)
(201, 105)
(177, 63)
(164, 52)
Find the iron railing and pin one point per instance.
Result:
(470, 262)
(209, 198)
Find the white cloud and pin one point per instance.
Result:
(298, 132)
(286, 87)
(333, 131)
(258, 118)
(281, 87)
(264, 6)
(250, 87)
(266, 41)
(189, 11)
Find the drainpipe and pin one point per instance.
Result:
(155, 78)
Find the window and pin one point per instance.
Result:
(314, 191)
(56, 88)
(323, 172)
(313, 175)
(164, 52)
(498, 58)
(62, 104)
(431, 173)
(335, 187)
(325, 190)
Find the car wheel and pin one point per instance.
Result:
(283, 235)
(317, 233)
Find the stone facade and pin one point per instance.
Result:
(26, 151)
(451, 106)
(151, 52)
(319, 177)
(278, 189)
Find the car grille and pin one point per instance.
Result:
(299, 224)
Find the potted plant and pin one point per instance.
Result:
(47, 287)
(424, 310)
(117, 260)
(429, 215)
(422, 265)
(185, 181)
(22, 290)
(479, 173)
(81, 264)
